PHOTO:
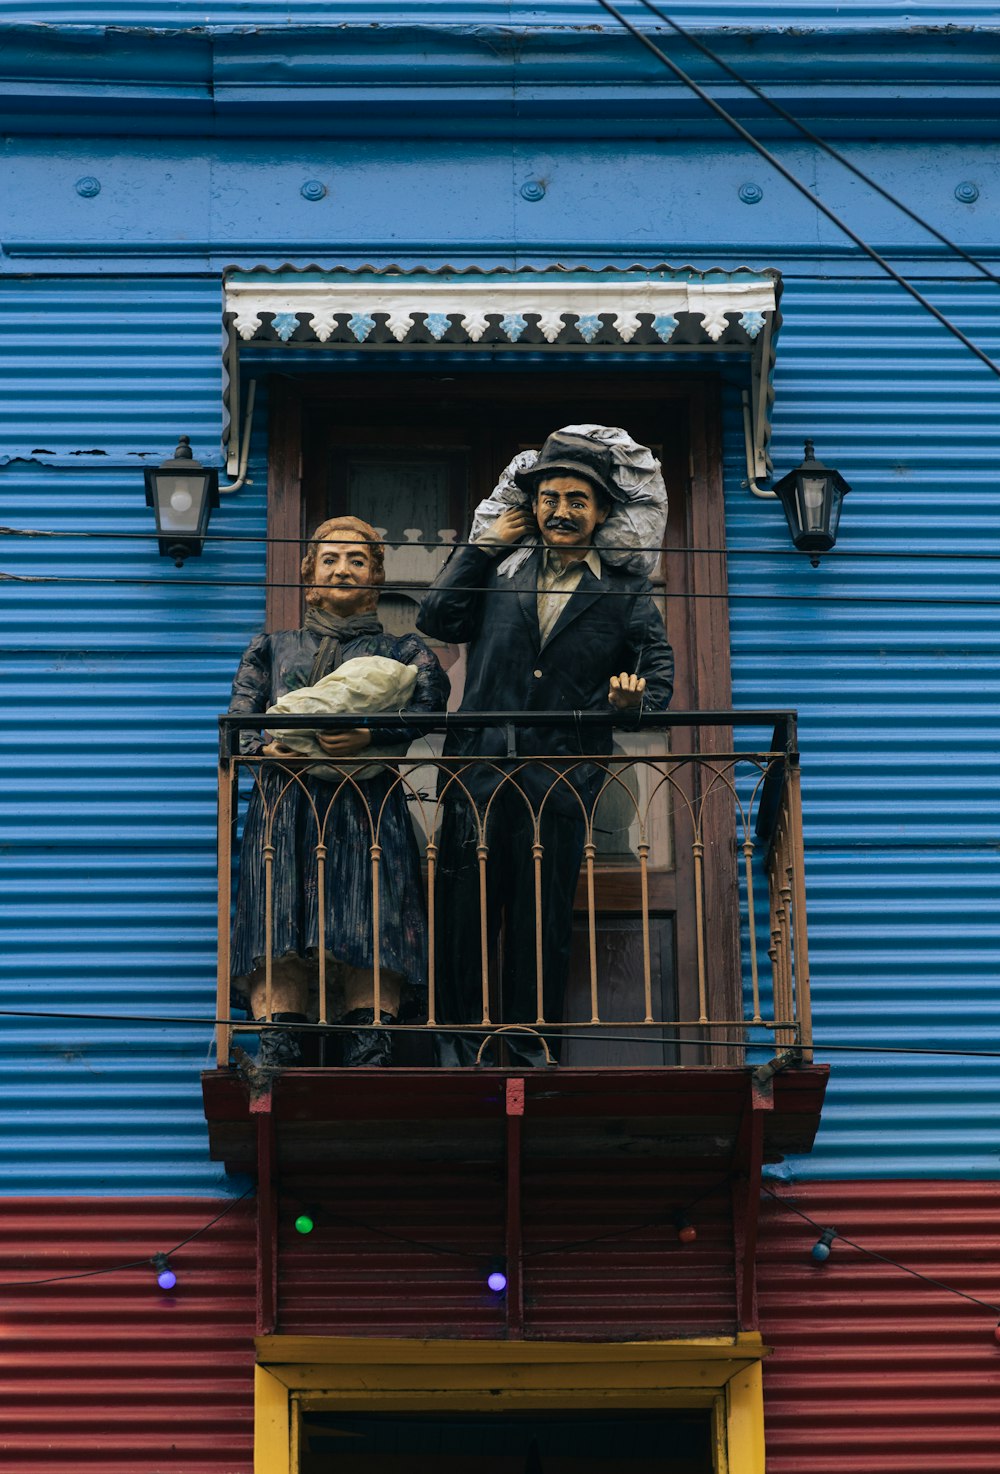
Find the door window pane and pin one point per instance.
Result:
(411, 499)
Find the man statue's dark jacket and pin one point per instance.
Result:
(609, 625)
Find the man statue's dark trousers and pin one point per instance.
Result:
(510, 894)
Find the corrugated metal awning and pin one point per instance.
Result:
(663, 309)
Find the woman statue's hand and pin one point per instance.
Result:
(274, 748)
(344, 744)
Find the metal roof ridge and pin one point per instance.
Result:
(391, 269)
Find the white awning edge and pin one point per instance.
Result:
(734, 313)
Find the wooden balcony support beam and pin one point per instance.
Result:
(747, 1164)
(514, 1101)
(267, 1214)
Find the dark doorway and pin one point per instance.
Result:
(675, 1442)
(416, 453)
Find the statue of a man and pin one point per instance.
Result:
(343, 569)
(564, 631)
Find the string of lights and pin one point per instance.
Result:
(305, 1223)
(820, 143)
(797, 184)
(828, 1236)
(687, 1233)
(565, 1031)
(679, 1218)
(166, 1277)
(835, 554)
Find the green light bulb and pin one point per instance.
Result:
(304, 1224)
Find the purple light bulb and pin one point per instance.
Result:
(497, 1281)
(165, 1277)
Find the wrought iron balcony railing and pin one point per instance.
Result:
(688, 932)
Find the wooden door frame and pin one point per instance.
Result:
(696, 570)
(722, 1374)
(703, 670)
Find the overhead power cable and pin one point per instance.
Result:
(764, 596)
(796, 183)
(827, 148)
(612, 1032)
(834, 555)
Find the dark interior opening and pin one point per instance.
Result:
(667, 1442)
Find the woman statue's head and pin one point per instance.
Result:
(344, 566)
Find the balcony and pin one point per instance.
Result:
(689, 936)
(688, 973)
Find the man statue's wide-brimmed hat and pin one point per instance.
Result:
(570, 455)
(608, 457)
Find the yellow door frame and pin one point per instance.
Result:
(355, 1374)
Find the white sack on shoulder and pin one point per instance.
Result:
(636, 522)
(365, 686)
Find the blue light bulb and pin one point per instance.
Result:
(822, 1248)
(497, 1281)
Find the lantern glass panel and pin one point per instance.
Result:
(811, 502)
(180, 502)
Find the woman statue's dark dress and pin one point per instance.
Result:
(273, 665)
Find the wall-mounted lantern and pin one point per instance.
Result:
(812, 496)
(182, 493)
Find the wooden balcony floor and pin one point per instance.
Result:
(324, 1116)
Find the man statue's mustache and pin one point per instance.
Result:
(560, 524)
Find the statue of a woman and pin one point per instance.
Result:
(343, 569)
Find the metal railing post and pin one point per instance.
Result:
(803, 998)
(228, 779)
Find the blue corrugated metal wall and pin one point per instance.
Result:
(111, 302)
(749, 13)
(108, 369)
(898, 706)
(112, 690)
(107, 824)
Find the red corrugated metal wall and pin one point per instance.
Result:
(875, 1372)
(109, 1373)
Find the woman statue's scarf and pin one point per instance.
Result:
(335, 631)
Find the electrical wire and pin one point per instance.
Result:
(821, 143)
(796, 183)
(658, 1221)
(400, 1238)
(765, 596)
(612, 1033)
(450, 1251)
(882, 1258)
(835, 554)
(131, 1263)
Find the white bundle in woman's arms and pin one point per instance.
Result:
(365, 686)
